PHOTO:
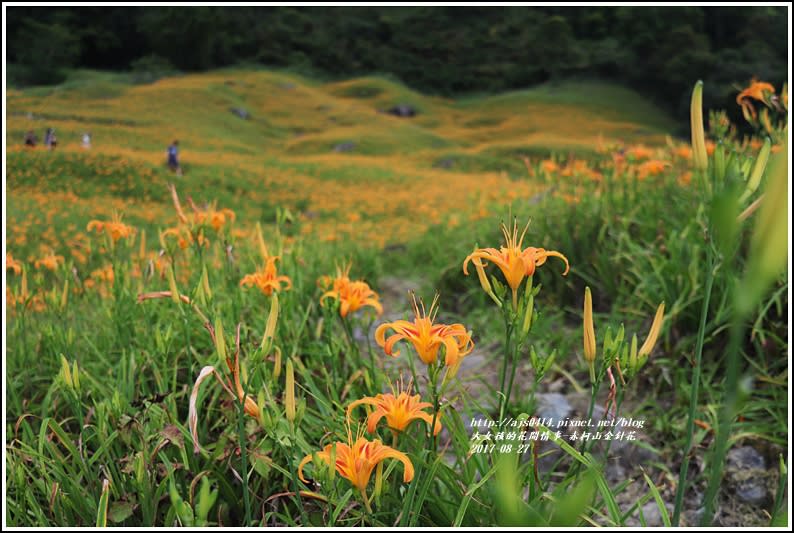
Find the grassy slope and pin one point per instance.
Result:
(455, 156)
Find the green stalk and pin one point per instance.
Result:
(727, 415)
(505, 359)
(353, 346)
(433, 371)
(375, 377)
(594, 391)
(512, 375)
(244, 458)
(293, 474)
(693, 397)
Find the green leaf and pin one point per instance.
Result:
(659, 501)
(120, 511)
(469, 494)
(102, 508)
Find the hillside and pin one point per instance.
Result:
(329, 152)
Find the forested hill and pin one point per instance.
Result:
(444, 50)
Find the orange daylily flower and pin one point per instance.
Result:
(399, 410)
(684, 152)
(267, 279)
(50, 262)
(756, 91)
(352, 295)
(104, 274)
(355, 461)
(210, 215)
(515, 263)
(652, 167)
(115, 228)
(185, 237)
(639, 152)
(427, 337)
(549, 166)
(12, 264)
(218, 218)
(342, 278)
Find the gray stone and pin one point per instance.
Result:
(745, 471)
(344, 147)
(751, 491)
(240, 112)
(553, 405)
(652, 514)
(445, 163)
(402, 110)
(745, 457)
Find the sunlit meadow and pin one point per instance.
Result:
(337, 316)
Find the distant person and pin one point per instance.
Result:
(30, 139)
(48, 137)
(53, 141)
(173, 158)
(87, 140)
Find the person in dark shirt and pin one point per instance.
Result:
(173, 158)
(30, 139)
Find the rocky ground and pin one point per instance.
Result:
(751, 473)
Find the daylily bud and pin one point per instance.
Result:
(533, 358)
(289, 393)
(699, 154)
(277, 363)
(75, 376)
(484, 283)
(650, 342)
(142, 250)
(270, 327)
(23, 291)
(65, 294)
(220, 342)
(608, 342)
(764, 118)
(758, 170)
(769, 244)
(66, 373)
(205, 283)
(450, 374)
(589, 329)
(261, 242)
(633, 363)
(548, 361)
(172, 285)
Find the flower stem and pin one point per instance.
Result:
(505, 359)
(512, 374)
(244, 458)
(366, 500)
(727, 415)
(693, 397)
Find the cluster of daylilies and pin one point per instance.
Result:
(439, 346)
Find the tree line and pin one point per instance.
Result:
(659, 51)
